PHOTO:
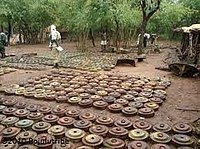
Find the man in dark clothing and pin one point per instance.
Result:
(3, 43)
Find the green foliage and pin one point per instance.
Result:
(122, 17)
(170, 16)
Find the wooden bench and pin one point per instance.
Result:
(141, 57)
(126, 61)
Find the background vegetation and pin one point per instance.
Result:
(86, 19)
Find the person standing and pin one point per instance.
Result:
(103, 42)
(55, 40)
(3, 43)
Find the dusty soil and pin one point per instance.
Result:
(183, 92)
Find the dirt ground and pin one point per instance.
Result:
(183, 92)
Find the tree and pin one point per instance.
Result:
(148, 7)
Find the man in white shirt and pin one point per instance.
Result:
(55, 37)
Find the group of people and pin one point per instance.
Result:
(55, 40)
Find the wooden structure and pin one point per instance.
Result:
(189, 53)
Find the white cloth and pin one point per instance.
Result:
(103, 42)
(55, 35)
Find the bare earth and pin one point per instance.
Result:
(183, 92)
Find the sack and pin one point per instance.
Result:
(59, 48)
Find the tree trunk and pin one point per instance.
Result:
(9, 29)
(142, 32)
(92, 37)
(117, 34)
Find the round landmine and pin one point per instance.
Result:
(79, 90)
(9, 145)
(115, 107)
(41, 127)
(44, 141)
(28, 147)
(160, 137)
(118, 132)
(160, 92)
(132, 92)
(59, 111)
(9, 111)
(136, 105)
(50, 118)
(137, 89)
(161, 96)
(21, 113)
(10, 132)
(121, 101)
(160, 146)
(114, 143)
(142, 124)
(26, 136)
(128, 97)
(75, 134)
(137, 145)
(90, 90)
(123, 122)
(114, 94)
(84, 95)
(83, 124)
(86, 103)
(145, 94)
(10, 121)
(182, 140)
(92, 140)
(88, 116)
(156, 100)
(129, 111)
(9, 91)
(72, 94)
(45, 109)
(109, 90)
(73, 113)
(141, 99)
(32, 107)
(2, 117)
(162, 127)
(109, 99)
(121, 91)
(36, 116)
(100, 105)
(50, 96)
(2, 107)
(138, 134)
(68, 90)
(96, 97)
(84, 147)
(182, 128)
(102, 93)
(151, 105)
(60, 99)
(146, 112)
(99, 130)
(24, 124)
(9, 102)
(67, 145)
(74, 100)
(66, 121)
(20, 105)
(57, 131)
(104, 120)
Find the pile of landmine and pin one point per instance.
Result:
(22, 121)
(130, 95)
(82, 61)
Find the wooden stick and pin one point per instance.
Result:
(187, 109)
